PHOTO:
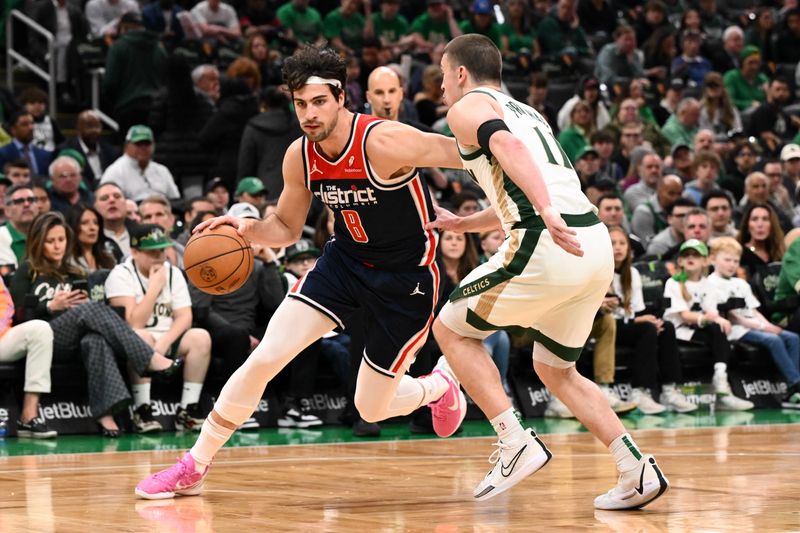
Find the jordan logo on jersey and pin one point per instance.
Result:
(416, 291)
(314, 169)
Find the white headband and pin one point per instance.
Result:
(316, 80)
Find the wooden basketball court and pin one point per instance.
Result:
(723, 479)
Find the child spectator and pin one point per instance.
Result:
(748, 324)
(157, 306)
(653, 340)
(693, 312)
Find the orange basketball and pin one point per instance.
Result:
(218, 261)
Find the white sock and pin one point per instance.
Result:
(508, 426)
(625, 452)
(433, 387)
(668, 387)
(191, 393)
(141, 394)
(212, 438)
(720, 368)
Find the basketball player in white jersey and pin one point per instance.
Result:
(546, 278)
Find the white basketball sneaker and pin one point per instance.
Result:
(635, 488)
(512, 464)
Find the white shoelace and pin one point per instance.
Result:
(495, 456)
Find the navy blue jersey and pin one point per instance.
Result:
(379, 223)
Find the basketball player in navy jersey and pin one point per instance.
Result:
(381, 259)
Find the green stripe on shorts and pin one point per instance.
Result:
(564, 352)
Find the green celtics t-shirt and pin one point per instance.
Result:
(517, 42)
(389, 31)
(434, 31)
(349, 29)
(306, 25)
(492, 32)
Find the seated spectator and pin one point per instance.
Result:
(252, 191)
(650, 217)
(161, 18)
(482, 20)
(745, 158)
(390, 27)
(206, 84)
(520, 30)
(222, 134)
(217, 21)
(344, 26)
(693, 313)
(746, 85)
(136, 173)
(266, 138)
(66, 181)
(91, 249)
(46, 133)
(18, 172)
(537, 99)
(588, 90)
(787, 45)
(192, 207)
(303, 21)
(672, 236)
(690, 65)
(133, 72)
(763, 32)
(660, 50)
(587, 165)
(747, 323)
(681, 162)
(110, 203)
(603, 142)
(649, 171)
(560, 33)
(669, 103)
(620, 61)
(158, 307)
(705, 171)
(437, 26)
(696, 226)
(217, 193)
(429, 101)
(156, 209)
(728, 57)
(779, 188)
(21, 209)
(575, 138)
(178, 114)
(683, 125)
(770, 122)
(103, 15)
(42, 195)
(22, 146)
(756, 187)
(32, 340)
(761, 237)
(717, 113)
(99, 155)
(651, 18)
(719, 207)
(47, 286)
(656, 363)
(257, 49)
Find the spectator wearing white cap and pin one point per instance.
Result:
(136, 172)
(790, 161)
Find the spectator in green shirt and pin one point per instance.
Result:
(575, 137)
(560, 32)
(304, 22)
(519, 29)
(391, 27)
(746, 85)
(345, 26)
(483, 21)
(437, 26)
(682, 125)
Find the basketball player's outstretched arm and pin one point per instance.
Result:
(285, 226)
(466, 116)
(484, 220)
(393, 146)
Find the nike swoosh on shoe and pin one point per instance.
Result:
(507, 470)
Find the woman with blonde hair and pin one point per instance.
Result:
(717, 112)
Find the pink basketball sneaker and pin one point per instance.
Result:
(181, 479)
(450, 409)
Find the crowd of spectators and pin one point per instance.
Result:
(680, 118)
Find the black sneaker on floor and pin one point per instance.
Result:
(189, 417)
(297, 418)
(36, 428)
(143, 421)
(362, 428)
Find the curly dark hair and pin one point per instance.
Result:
(312, 61)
